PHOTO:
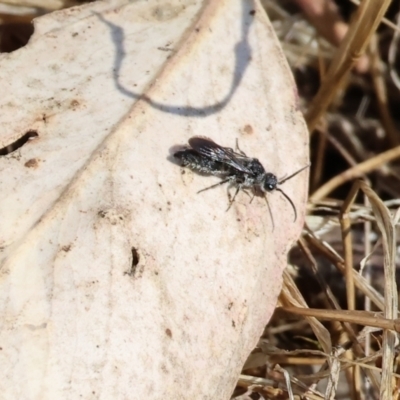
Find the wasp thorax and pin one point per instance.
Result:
(270, 182)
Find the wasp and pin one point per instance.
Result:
(205, 156)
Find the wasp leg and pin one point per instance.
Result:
(233, 199)
(217, 184)
(248, 194)
(251, 200)
(239, 149)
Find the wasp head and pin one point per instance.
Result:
(269, 182)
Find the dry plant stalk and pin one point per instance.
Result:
(364, 24)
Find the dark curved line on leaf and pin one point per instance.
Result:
(242, 59)
(18, 143)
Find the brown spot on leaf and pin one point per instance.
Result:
(32, 163)
(74, 104)
(248, 129)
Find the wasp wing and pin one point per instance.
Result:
(209, 148)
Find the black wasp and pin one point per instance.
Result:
(206, 156)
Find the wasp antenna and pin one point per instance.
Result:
(294, 174)
(290, 201)
(270, 213)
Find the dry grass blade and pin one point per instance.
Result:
(355, 317)
(345, 222)
(287, 381)
(290, 294)
(365, 22)
(355, 172)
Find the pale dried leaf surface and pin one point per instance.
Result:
(110, 87)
